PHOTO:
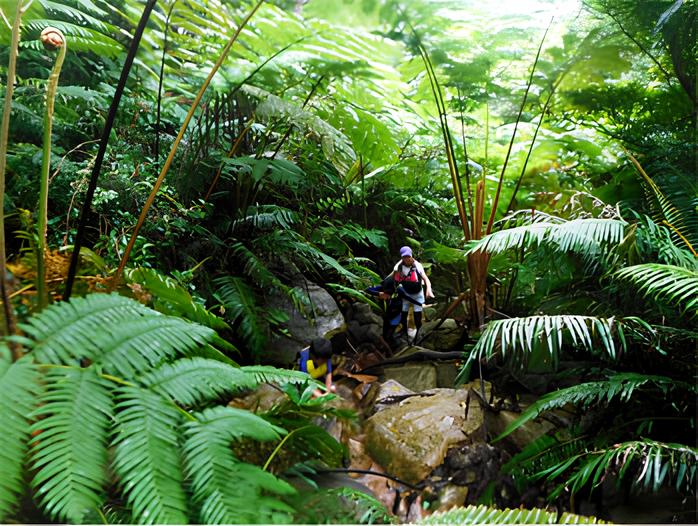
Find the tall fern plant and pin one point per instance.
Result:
(115, 400)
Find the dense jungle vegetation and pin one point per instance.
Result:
(166, 166)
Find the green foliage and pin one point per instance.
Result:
(69, 460)
(676, 285)
(342, 506)
(19, 383)
(620, 385)
(487, 515)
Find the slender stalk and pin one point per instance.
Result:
(51, 37)
(465, 159)
(106, 132)
(493, 212)
(4, 134)
(175, 145)
(160, 81)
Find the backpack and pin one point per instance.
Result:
(412, 282)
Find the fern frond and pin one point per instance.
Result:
(69, 450)
(173, 299)
(486, 515)
(674, 284)
(225, 489)
(19, 385)
(195, 380)
(651, 464)
(118, 333)
(146, 456)
(582, 236)
(621, 385)
(241, 308)
(264, 217)
(273, 375)
(521, 337)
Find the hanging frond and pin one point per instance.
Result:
(242, 310)
(486, 515)
(147, 457)
(669, 283)
(273, 375)
(19, 385)
(226, 490)
(265, 217)
(650, 464)
(173, 299)
(581, 236)
(545, 336)
(69, 448)
(118, 333)
(621, 385)
(191, 381)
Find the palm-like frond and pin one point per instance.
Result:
(486, 515)
(273, 375)
(19, 385)
(651, 464)
(521, 337)
(242, 310)
(265, 217)
(118, 333)
(146, 457)
(195, 380)
(582, 236)
(670, 283)
(621, 385)
(69, 451)
(225, 489)
(171, 298)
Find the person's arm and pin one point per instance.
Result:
(429, 292)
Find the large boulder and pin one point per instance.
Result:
(323, 319)
(412, 438)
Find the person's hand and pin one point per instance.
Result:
(430, 294)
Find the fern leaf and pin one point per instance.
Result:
(195, 380)
(146, 457)
(241, 308)
(273, 375)
(621, 385)
(651, 464)
(674, 284)
(486, 515)
(173, 299)
(582, 236)
(69, 451)
(19, 387)
(118, 333)
(225, 489)
(522, 337)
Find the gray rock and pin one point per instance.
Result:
(419, 376)
(323, 319)
(445, 338)
(386, 394)
(363, 313)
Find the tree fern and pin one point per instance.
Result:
(195, 380)
(19, 385)
(225, 489)
(146, 457)
(582, 236)
(621, 385)
(171, 298)
(670, 283)
(69, 451)
(487, 515)
(120, 334)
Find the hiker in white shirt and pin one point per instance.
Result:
(409, 274)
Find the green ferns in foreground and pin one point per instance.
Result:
(114, 405)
